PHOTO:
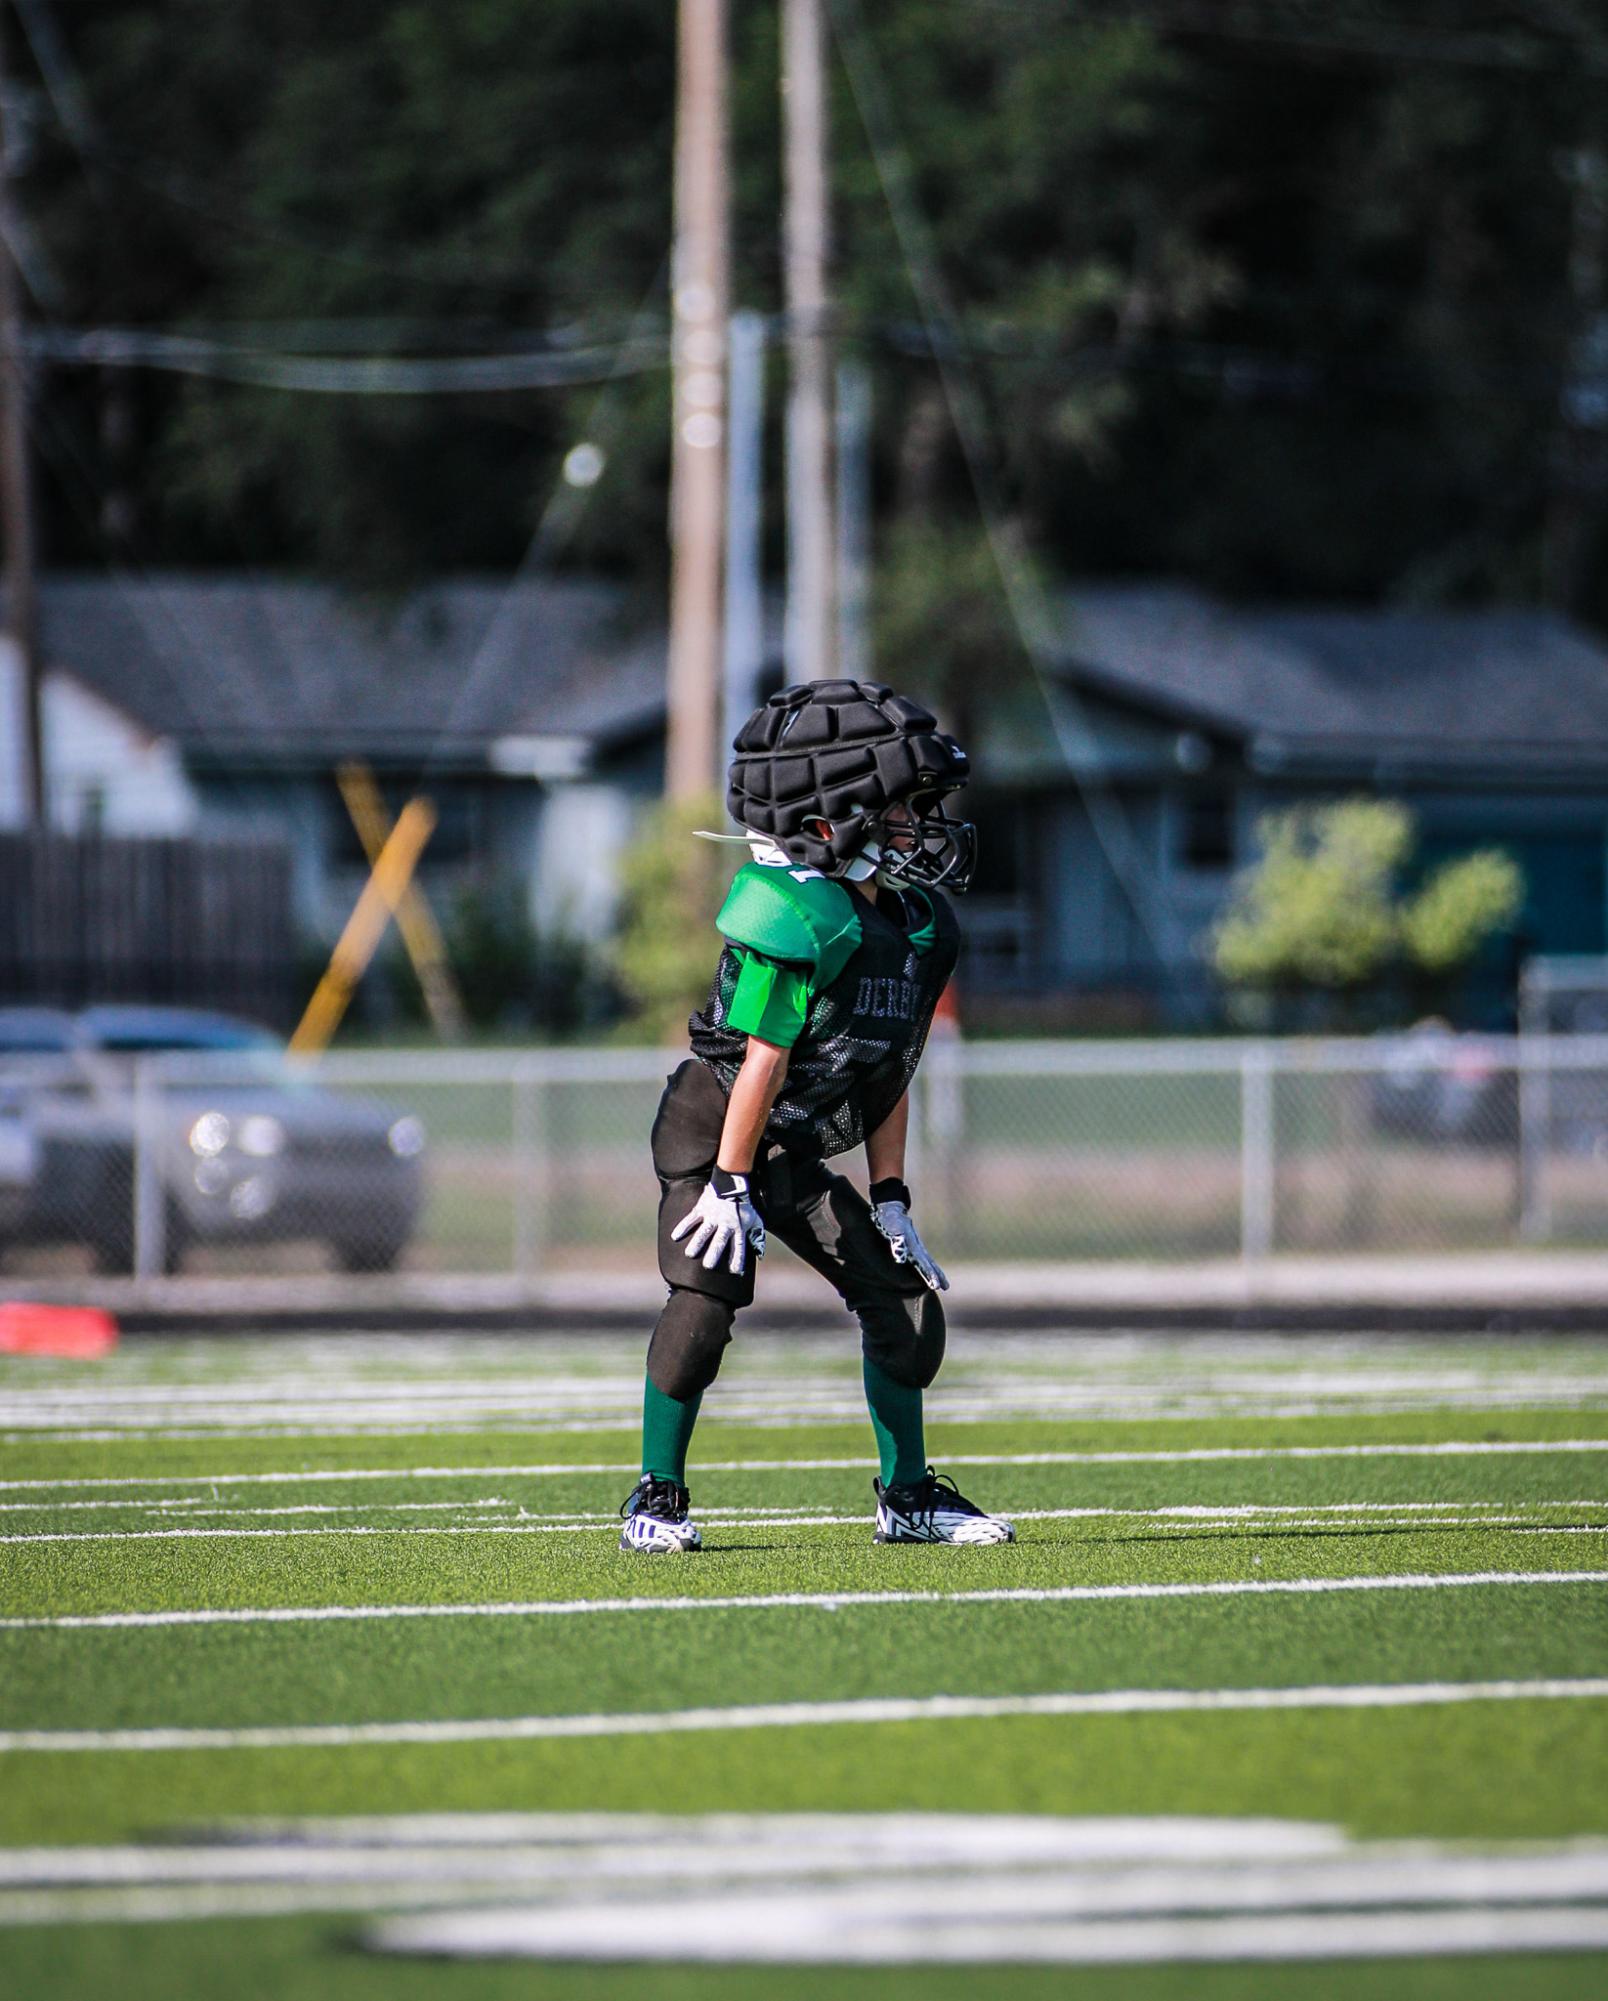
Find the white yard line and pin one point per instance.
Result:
(197, 1505)
(558, 1468)
(781, 1716)
(824, 1601)
(317, 1392)
(953, 1407)
(822, 1888)
(1375, 1515)
(722, 1932)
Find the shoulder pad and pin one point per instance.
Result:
(795, 915)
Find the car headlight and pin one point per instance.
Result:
(406, 1138)
(209, 1135)
(261, 1135)
(251, 1199)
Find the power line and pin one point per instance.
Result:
(366, 375)
(290, 357)
(1034, 622)
(1243, 371)
(560, 517)
(1316, 30)
(127, 569)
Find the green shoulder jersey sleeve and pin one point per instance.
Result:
(797, 916)
(769, 1000)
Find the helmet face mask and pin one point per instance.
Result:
(821, 767)
(929, 848)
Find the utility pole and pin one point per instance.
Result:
(745, 497)
(699, 286)
(16, 500)
(854, 518)
(811, 552)
(1578, 469)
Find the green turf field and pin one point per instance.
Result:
(1295, 1682)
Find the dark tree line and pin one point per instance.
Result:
(1290, 300)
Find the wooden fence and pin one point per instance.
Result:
(194, 922)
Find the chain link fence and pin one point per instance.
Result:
(533, 1162)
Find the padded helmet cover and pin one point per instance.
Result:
(839, 751)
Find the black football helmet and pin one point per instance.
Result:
(846, 752)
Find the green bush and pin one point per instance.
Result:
(1323, 913)
(672, 884)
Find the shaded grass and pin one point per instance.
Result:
(399, 1669)
(405, 1567)
(1488, 1770)
(1496, 1771)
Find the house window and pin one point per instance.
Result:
(1206, 831)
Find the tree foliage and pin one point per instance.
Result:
(1323, 908)
(672, 886)
(1461, 905)
(1286, 308)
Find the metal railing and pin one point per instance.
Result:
(534, 1161)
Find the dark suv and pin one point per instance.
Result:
(242, 1146)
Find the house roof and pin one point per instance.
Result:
(1451, 691)
(471, 672)
(243, 669)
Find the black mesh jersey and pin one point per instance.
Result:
(863, 1034)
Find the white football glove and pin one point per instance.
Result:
(723, 1224)
(892, 1218)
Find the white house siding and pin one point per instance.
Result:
(103, 772)
(581, 834)
(1091, 930)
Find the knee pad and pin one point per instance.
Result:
(688, 1342)
(903, 1333)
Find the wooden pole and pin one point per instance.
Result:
(700, 285)
(414, 918)
(374, 909)
(811, 545)
(16, 498)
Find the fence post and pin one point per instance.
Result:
(150, 1208)
(531, 1220)
(1256, 1151)
(943, 1118)
(1535, 1136)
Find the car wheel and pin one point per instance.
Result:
(369, 1253)
(113, 1246)
(175, 1241)
(112, 1249)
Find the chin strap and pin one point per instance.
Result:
(766, 852)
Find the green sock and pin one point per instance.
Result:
(896, 1419)
(667, 1432)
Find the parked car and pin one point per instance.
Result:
(19, 1160)
(1437, 1083)
(246, 1147)
(37, 1072)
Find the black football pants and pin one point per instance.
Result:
(816, 1213)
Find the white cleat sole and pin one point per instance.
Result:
(662, 1542)
(972, 1532)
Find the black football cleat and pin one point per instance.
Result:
(933, 1509)
(656, 1522)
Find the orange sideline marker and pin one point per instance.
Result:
(82, 1332)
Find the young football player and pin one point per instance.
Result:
(837, 946)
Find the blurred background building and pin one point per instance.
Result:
(346, 423)
(472, 412)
